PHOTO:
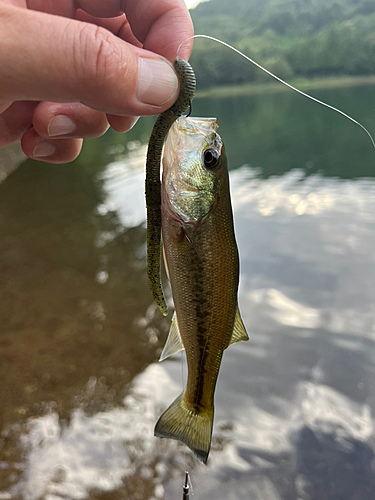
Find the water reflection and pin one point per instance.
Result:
(281, 131)
(123, 187)
(102, 452)
(71, 298)
(80, 337)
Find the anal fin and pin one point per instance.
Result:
(239, 333)
(173, 344)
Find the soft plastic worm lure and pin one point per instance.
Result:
(153, 184)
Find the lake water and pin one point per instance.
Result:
(80, 385)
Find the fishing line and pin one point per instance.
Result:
(190, 485)
(187, 488)
(279, 80)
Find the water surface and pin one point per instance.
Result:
(81, 388)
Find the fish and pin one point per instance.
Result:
(202, 264)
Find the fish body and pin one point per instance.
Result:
(203, 267)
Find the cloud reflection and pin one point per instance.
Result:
(99, 452)
(313, 196)
(285, 310)
(103, 451)
(123, 187)
(307, 295)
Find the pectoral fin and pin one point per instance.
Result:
(174, 342)
(239, 331)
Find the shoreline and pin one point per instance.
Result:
(300, 83)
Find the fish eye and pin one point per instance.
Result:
(211, 158)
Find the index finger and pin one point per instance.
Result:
(67, 8)
(161, 25)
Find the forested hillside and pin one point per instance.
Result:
(290, 37)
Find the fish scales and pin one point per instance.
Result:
(204, 295)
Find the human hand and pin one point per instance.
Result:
(66, 75)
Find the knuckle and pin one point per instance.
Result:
(94, 54)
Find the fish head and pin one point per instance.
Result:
(194, 169)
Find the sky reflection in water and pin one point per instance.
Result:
(294, 406)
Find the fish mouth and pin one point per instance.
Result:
(195, 125)
(187, 136)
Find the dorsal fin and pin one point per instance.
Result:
(239, 331)
(173, 344)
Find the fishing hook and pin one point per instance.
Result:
(185, 488)
(190, 110)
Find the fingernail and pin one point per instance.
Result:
(43, 149)
(60, 125)
(157, 81)
(133, 122)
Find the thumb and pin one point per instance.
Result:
(50, 58)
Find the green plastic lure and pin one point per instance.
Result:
(153, 185)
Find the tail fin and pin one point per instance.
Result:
(189, 425)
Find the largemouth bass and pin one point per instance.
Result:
(203, 267)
